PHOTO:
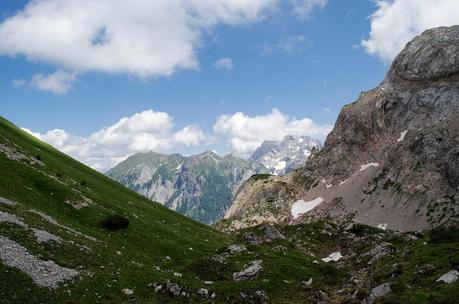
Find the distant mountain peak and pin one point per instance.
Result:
(281, 157)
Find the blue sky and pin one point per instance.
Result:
(305, 65)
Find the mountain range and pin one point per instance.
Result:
(203, 186)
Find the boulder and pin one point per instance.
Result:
(449, 277)
(377, 292)
(252, 270)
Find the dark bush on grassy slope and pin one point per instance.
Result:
(115, 222)
(444, 234)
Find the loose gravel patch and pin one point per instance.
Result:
(8, 202)
(52, 221)
(43, 273)
(45, 237)
(12, 219)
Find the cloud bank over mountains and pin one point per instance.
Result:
(156, 131)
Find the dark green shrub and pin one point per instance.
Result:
(115, 222)
(444, 234)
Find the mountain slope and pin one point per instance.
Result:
(392, 158)
(282, 157)
(201, 186)
(54, 250)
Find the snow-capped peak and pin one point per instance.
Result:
(281, 157)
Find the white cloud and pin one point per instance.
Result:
(396, 22)
(60, 82)
(245, 133)
(190, 136)
(224, 63)
(139, 37)
(304, 8)
(141, 132)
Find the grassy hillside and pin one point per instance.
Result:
(157, 243)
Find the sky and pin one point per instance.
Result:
(101, 80)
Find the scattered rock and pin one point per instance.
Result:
(233, 249)
(307, 282)
(379, 252)
(449, 277)
(270, 232)
(410, 237)
(251, 271)
(333, 257)
(173, 289)
(426, 269)
(251, 238)
(203, 293)
(378, 292)
(347, 226)
(43, 273)
(128, 292)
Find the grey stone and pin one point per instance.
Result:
(233, 249)
(377, 292)
(449, 277)
(251, 271)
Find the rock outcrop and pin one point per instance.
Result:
(392, 159)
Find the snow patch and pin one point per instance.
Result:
(402, 136)
(300, 207)
(382, 226)
(300, 140)
(280, 165)
(328, 186)
(343, 182)
(333, 257)
(366, 166)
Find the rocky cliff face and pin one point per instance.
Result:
(282, 157)
(392, 159)
(201, 187)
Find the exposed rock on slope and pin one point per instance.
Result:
(282, 157)
(201, 186)
(392, 159)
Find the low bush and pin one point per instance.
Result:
(115, 222)
(444, 234)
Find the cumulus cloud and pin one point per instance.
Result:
(224, 63)
(140, 37)
(190, 136)
(304, 8)
(396, 22)
(245, 133)
(141, 132)
(59, 82)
